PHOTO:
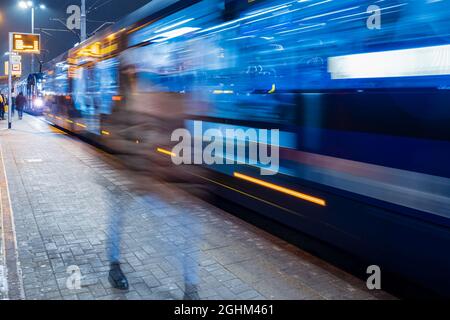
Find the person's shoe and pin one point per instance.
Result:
(191, 292)
(117, 277)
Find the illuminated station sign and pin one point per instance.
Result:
(26, 43)
(16, 69)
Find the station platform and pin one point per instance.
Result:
(59, 196)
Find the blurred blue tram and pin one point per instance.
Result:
(362, 109)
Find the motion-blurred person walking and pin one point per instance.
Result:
(21, 101)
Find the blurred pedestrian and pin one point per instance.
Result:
(13, 103)
(2, 106)
(147, 179)
(21, 101)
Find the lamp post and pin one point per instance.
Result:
(32, 6)
(83, 20)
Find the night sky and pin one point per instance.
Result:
(12, 18)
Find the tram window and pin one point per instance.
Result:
(107, 77)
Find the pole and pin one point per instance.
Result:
(83, 20)
(10, 82)
(32, 31)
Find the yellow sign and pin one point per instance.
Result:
(26, 43)
(16, 69)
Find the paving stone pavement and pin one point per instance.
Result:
(64, 194)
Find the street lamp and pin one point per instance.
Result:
(31, 5)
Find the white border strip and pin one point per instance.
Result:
(13, 227)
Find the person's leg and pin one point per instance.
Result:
(190, 257)
(116, 277)
(115, 222)
(191, 278)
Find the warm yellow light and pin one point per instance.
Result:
(275, 187)
(106, 133)
(223, 91)
(167, 152)
(81, 125)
